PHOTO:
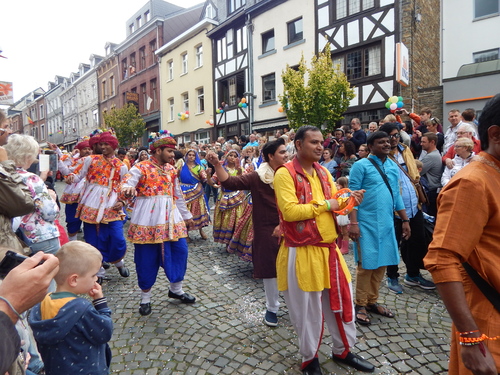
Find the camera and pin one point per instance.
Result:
(10, 261)
(398, 112)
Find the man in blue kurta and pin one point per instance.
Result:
(372, 223)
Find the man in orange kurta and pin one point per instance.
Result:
(468, 230)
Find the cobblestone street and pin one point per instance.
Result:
(223, 332)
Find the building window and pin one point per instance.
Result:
(131, 28)
(152, 49)
(234, 5)
(144, 98)
(142, 58)
(138, 22)
(199, 56)
(488, 55)
(42, 112)
(268, 41)
(184, 64)
(171, 109)
(112, 86)
(125, 69)
(170, 67)
(201, 100)
(185, 102)
(360, 63)
(154, 95)
(147, 16)
(269, 87)
(230, 90)
(483, 8)
(295, 31)
(42, 131)
(104, 93)
(344, 8)
(133, 66)
(202, 137)
(209, 12)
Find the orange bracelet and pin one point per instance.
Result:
(350, 204)
(476, 340)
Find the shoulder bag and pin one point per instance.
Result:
(422, 196)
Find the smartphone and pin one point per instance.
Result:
(10, 261)
(398, 112)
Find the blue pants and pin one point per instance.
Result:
(108, 239)
(172, 256)
(73, 224)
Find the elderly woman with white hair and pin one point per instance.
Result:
(465, 130)
(38, 228)
(464, 154)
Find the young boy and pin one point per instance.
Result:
(72, 333)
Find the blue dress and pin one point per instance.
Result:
(378, 246)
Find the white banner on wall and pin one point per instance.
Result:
(402, 65)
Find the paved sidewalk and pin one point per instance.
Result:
(223, 332)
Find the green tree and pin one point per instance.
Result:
(323, 100)
(127, 123)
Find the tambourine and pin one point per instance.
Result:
(350, 204)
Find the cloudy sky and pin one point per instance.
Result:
(42, 39)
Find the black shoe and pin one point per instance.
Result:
(100, 280)
(124, 272)
(145, 309)
(184, 297)
(105, 265)
(312, 368)
(271, 319)
(355, 361)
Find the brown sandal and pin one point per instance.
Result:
(380, 310)
(362, 316)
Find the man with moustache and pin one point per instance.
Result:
(159, 221)
(311, 270)
(372, 224)
(99, 207)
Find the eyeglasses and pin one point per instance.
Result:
(394, 136)
(460, 133)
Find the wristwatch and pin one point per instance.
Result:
(405, 221)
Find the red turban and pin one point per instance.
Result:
(94, 139)
(110, 139)
(81, 145)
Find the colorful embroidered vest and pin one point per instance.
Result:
(303, 233)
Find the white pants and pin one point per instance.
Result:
(307, 310)
(272, 295)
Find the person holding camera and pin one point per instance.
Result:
(22, 288)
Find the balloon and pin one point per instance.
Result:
(240, 105)
(187, 112)
(221, 111)
(393, 110)
(211, 121)
(400, 99)
(244, 105)
(186, 115)
(393, 106)
(243, 100)
(400, 104)
(179, 114)
(280, 109)
(388, 105)
(217, 110)
(207, 122)
(393, 99)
